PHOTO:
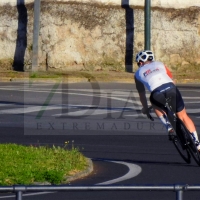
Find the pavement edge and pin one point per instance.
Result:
(81, 174)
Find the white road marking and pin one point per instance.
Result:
(140, 115)
(86, 111)
(134, 170)
(193, 102)
(7, 104)
(96, 111)
(195, 110)
(27, 110)
(37, 108)
(30, 194)
(191, 97)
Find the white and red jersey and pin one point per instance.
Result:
(152, 75)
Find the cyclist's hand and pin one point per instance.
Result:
(145, 110)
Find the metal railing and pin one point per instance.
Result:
(179, 189)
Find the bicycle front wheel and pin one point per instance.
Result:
(193, 149)
(179, 139)
(190, 144)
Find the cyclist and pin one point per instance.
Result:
(157, 78)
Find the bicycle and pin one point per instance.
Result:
(182, 138)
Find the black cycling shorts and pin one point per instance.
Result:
(159, 95)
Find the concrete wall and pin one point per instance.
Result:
(99, 34)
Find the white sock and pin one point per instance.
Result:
(196, 135)
(164, 120)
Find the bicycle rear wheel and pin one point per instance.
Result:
(190, 143)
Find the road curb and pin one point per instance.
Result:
(74, 177)
(81, 174)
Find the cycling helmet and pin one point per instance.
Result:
(144, 56)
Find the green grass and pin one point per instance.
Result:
(29, 164)
(44, 75)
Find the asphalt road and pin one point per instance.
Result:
(104, 121)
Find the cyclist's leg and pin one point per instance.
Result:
(158, 111)
(186, 120)
(178, 105)
(189, 125)
(164, 119)
(158, 101)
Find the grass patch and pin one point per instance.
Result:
(88, 75)
(29, 164)
(92, 76)
(44, 75)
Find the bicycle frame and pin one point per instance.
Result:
(182, 139)
(175, 122)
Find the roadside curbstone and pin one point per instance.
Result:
(81, 174)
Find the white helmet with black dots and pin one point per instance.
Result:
(144, 56)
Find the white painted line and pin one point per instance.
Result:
(140, 115)
(7, 104)
(191, 102)
(154, 115)
(191, 97)
(76, 113)
(86, 112)
(134, 170)
(192, 110)
(27, 110)
(31, 194)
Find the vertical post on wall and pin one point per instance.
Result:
(147, 24)
(36, 30)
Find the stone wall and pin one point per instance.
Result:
(155, 3)
(97, 36)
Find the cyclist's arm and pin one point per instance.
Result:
(142, 94)
(169, 73)
(143, 101)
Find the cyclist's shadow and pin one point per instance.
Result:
(169, 163)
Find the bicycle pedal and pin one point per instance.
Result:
(172, 137)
